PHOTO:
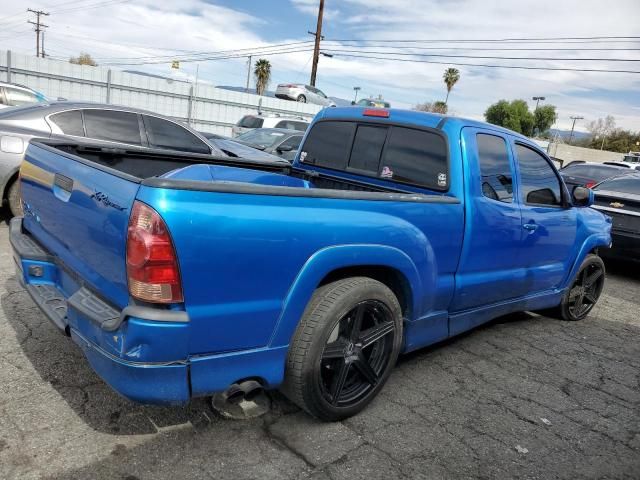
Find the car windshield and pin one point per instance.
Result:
(594, 172)
(261, 137)
(623, 184)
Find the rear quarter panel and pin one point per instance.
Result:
(241, 254)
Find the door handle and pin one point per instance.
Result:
(532, 227)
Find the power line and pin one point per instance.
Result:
(204, 54)
(218, 57)
(595, 39)
(485, 57)
(486, 65)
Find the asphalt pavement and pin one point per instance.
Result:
(522, 397)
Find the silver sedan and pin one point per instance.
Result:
(304, 94)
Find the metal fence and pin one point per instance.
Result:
(205, 107)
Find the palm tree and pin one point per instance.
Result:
(262, 72)
(450, 77)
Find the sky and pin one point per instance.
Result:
(139, 32)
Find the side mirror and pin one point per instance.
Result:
(284, 148)
(583, 197)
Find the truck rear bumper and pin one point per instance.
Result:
(141, 352)
(136, 357)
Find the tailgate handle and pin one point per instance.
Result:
(62, 182)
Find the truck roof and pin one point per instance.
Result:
(412, 117)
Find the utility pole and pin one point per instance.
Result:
(39, 28)
(573, 126)
(316, 48)
(246, 89)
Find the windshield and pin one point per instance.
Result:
(262, 137)
(625, 184)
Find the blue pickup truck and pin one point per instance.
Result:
(182, 275)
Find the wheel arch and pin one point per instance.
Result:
(590, 245)
(386, 264)
(8, 180)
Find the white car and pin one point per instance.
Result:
(304, 94)
(249, 122)
(13, 95)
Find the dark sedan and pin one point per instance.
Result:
(234, 149)
(619, 197)
(276, 141)
(588, 174)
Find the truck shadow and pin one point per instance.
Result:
(61, 364)
(5, 215)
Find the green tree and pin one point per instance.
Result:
(450, 77)
(262, 73)
(618, 140)
(514, 115)
(543, 118)
(433, 107)
(83, 59)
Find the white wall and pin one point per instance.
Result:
(209, 109)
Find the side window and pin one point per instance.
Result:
(293, 142)
(328, 144)
(495, 168)
(538, 181)
(367, 148)
(17, 97)
(416, 157)
(171, 136)
(112, 125)
(69, 122)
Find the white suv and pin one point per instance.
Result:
(249, 122)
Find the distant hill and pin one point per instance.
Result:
(565, 134)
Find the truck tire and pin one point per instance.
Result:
(13, 197)
(584, 292)
(344, 348)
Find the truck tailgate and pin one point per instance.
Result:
(79, 212)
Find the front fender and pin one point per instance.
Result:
(329, 259)
(593, 241)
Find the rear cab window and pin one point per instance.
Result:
(495, 168)
(401, 154)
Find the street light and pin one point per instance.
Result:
(537, 99)
(355, 99)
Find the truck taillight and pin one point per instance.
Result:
(152, 265)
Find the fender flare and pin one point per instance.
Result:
(329, 259)
(592, 241)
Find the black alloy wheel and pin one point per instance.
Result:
(344, 348)
(358, 351)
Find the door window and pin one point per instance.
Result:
(69, 122)
(171, 136)
(112, 125)
(495, 168)
(538, 181)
